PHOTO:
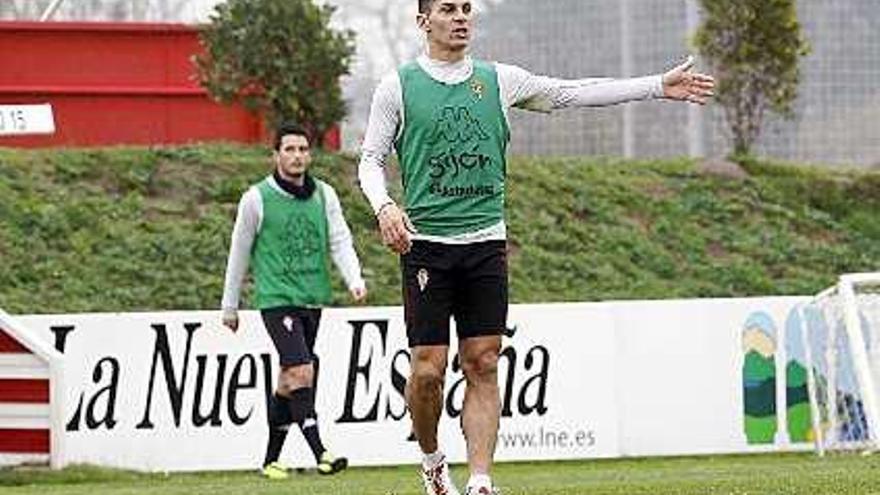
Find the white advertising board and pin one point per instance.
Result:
(680, 368)
(177, 391)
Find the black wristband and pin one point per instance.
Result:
(379, 211)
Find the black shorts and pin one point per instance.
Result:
(467, 282)
(293, 331)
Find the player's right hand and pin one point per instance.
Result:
(396, 228)
(230, 319)
(359, 294)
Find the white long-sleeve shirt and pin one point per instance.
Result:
(247, 224)
(519, 89)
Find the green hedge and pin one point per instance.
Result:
(128, 229)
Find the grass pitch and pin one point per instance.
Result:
(728, 475)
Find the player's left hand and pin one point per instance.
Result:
(359, 294)
(681, 83)
(230, 319)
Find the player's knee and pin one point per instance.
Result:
(426, 379)
(480, 365)
(298, 376)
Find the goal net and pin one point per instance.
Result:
(842, 343)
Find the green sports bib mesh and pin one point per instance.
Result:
(289, 255)
(452, 151)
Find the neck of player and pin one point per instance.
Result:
(296, 179)
(445, 53)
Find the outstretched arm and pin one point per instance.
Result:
(247, 223)
(382, 128)
(342, 246)
(523, 89)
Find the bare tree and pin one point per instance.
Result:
(8, 10)
(22, 9)
(394, 37)
(387, 21)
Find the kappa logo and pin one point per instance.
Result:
(302, 248)
(422, 278)
(456, 125)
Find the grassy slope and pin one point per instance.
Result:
(725, 475)
(147, 229)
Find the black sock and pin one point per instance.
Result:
(279, 424)
(313, 437)
(302, 409)
(316, 368)
(277, 435)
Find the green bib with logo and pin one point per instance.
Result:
(452, 151)
(289, 255)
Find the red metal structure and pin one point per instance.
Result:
(116, 83)
(31, 381)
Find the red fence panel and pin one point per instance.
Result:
(115, 83)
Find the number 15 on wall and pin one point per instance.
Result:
(16, 120)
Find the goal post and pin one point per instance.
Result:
(842, 344)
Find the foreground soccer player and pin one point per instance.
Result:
(445, 114)
(286, 226)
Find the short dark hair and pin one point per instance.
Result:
(287, 128)
(425, 6)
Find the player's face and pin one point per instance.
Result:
(293, 157)
(449, 23)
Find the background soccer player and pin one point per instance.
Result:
(286, 226)
(445, 114)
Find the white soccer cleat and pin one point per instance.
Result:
(437, 480)
(481, 490)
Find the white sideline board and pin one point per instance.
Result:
(20, 120)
